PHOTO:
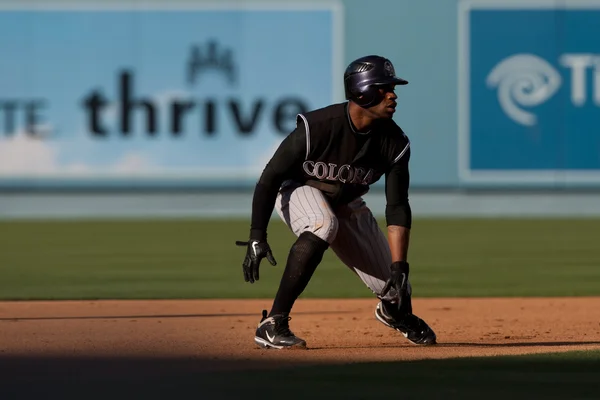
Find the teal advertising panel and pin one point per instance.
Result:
(159, 95)
(532, 99)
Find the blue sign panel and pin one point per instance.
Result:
(530, 85)
(164, 94)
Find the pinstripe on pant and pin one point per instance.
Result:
(353, 234)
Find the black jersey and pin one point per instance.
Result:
(326, 151)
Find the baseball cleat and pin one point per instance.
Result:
(412, 327)
(274, 333)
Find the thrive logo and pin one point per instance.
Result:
(210, 57)
(526, 80)
(243, 115)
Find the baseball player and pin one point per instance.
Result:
(316, 180)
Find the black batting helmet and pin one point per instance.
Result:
(363, 76)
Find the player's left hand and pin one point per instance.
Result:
(398, 280)
(255, 252)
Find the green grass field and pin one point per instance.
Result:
(199, 259)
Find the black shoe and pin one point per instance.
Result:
(274, 332)
(412, 327)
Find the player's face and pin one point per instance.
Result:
(387, 107)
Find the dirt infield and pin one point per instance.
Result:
(218, 334)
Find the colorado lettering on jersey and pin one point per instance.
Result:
(345, 174)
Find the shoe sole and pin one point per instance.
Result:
(383, 321)
(264, 344)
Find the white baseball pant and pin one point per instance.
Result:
(353, 234)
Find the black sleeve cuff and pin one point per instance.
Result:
(400, 215)
(258, 234)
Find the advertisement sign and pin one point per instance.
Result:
(529, 77)
(159, 94)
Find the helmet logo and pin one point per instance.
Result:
(389, 68)
(364, 67)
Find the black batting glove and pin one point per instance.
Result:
(255, 251)
(398, 280)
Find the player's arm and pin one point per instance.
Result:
(398, 216)
(288, 155)
(291, 151)
(398, 238)
(398, 213)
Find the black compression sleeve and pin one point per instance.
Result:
(262, 207)
(288, 156)
(397, 182)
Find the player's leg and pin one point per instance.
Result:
(308, 214)
(306, 211)
(362, 246)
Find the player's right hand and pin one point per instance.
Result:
(398, 280)
(255, 252)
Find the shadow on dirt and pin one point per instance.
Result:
(555, 376)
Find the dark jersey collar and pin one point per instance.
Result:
(352, 127)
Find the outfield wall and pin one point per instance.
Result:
(238, 205)
(195, 95)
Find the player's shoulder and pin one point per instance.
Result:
(394, 143)
(324, 114)
(393, 133)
